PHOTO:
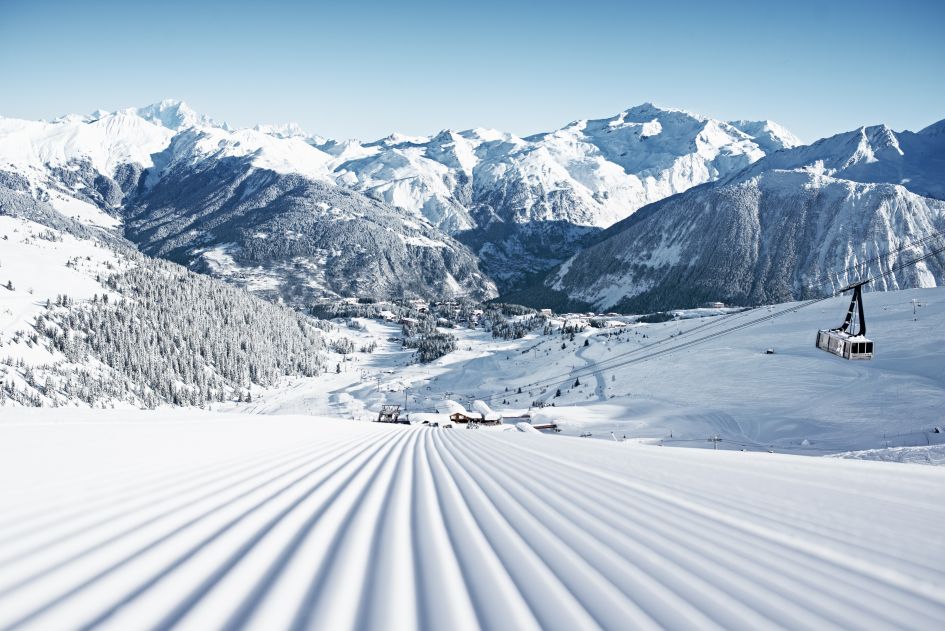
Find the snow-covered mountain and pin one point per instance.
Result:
(875, 154)
(264, 200)
(295, 238)
(526, 203)
(294, 216)
(86, 319)
(795, 224)
(607, 168)
(522, 204)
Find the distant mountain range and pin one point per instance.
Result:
(258, 207)
(797, 223)
(651, 208)
(525, 204)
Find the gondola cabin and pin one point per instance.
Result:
(843, 341)
(845, 346)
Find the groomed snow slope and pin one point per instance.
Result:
(200, 521)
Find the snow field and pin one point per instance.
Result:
(196, 520)
(82, 211)
(798, 400)
(41, 269)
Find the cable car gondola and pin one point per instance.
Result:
(843, 341)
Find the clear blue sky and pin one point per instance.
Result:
(364, 69)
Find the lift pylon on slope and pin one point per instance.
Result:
(846, 341)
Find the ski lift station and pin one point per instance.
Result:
(391, 414)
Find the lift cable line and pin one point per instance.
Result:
(596, 368)
(727, 319)
(824, 277)
(612, 363)
(714, 323)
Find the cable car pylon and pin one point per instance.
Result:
(849, 340)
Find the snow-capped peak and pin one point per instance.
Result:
(605, 168)
(841, 152)
(290, 130)
(647, 110)
(398, 138)
(872, 154)
(76, 118)
(173, 114)
(935, 129)
(873, 142)
(769, 135)
(198, 145)
(104, 141)
(486, 134)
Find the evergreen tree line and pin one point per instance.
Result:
(516, 329)
(181, 338)
(56, 385)
(431, 346)
(421, 333)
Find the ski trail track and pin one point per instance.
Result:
(600, 387)
(306, 523)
